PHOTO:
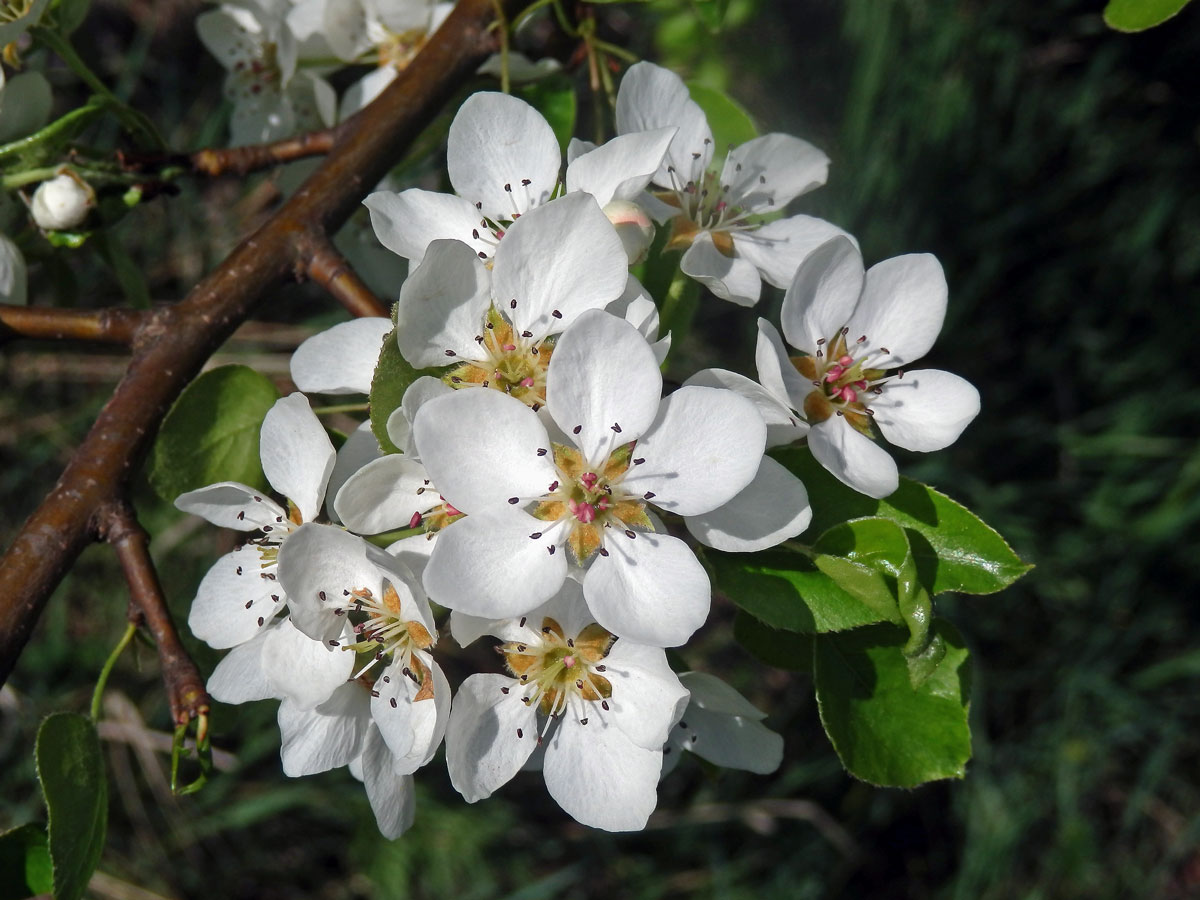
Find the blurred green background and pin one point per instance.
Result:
(1054, 168)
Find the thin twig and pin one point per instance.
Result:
(324, 265)
(105, 326)
(118, 525)
(175, 343)
(241, 160)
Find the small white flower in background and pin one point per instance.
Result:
(852, 329)
(533, 500)
(271, 98)
(602, 710)
(503, 161)
(715, 215)
(723, 727)
(241, 592)
(12, 273)
(62, 202)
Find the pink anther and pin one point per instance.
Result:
(849, 394)
(568, 661)
(846, 361)
(834, 374)
(415, 520)
(527, 382)
(589, 480)
(508, 348)
(584, 512)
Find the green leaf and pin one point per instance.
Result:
(866, 557)
(554, 98)
(211, 433)
(71, 13)
(71, 771)
(885, 730)
(393, 375)
(24, 863)
(785, 589)
(781, 649)
(953, 548)
(1138, 15)
(731, 125)
(711, 12)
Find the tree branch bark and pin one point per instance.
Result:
(328, 268)
(242, 160)
(105, 326)
(118, 525)
(171, 348)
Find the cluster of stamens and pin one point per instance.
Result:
(557, 672)
(590, 499)
(705, 205)
(842, 373)
(510, 362)
(381, 630)
(267, 545)
(253, 75)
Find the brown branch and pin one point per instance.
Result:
(241, 160)
(173, 345)
(105, 326)
(118, 525)
(328, 268)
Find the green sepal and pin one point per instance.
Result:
(393, 375)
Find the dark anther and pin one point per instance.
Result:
(239, 570)
(639, 460)
(520, 733)
(570, 642)
(526, 334)
(393, 702)
(616, 426)
(482, 255)
(334, 644)
(542, 451)
(604, 704)
(514, 499)
(260, 621)
(450, 353)
(602, 669)
(577, 429)
(556, 314)
(603, 552)
(512, 304)
(267, 528)
(550, 549)
(508, 187)
(321, 596)
(504, 690)
(526, 182)
(649, 495)
(762, 179)
(533, 537)
(374, 693)
(630, 533)
(249, 603)
(583, 721)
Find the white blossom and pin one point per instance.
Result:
(602, 709)
(62, 202)
(723, 727)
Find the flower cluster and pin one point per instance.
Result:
(549, 491)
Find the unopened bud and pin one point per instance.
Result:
(62, 202)
(634, 228)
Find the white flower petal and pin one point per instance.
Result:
(317, 565)
(483, 751)
(733, 278)
(239, 677)
(442, 306)
(776, 371)
(392, 797)
(853, 458)
(774, 411)
(603, 385)
(341, 359)
(408, 222)
(488, 565)
(360, 448)
(729, 741)
(366, 89)
(902, 308)
(822, 295)
(495, 141)
(231, 505)
(651, 97)
(703, 448)
(768, 172)
(599, 776)
(385, 494)
(564, 257)
(414, 552)
(13, 274)
(711, 693)
(771, 509)
(303, 671)
(327, 736)
(297, 456)
(480, 448)
(925, 410)
(647, 697)
(650, 589)
(233, 599)
(778, 248)
(621, 168)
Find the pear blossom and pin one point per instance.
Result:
(242, 592)
(602, 710)
(503, 161)
(554, 263)
(716, 215)
(13, 277)
(852, 328)
(723, 727)
(16, 18)
(271, 97)
(583, 481)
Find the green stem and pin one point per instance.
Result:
(501, 25)
(136, 123)
(339, 408)
(529, 11)
(678, 307)
(390, 537)
(614, 50)
(102, 681)
(29, 176)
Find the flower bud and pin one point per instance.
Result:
(634, 228)
(62, 202)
